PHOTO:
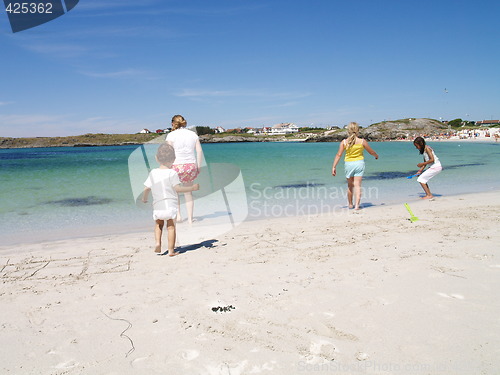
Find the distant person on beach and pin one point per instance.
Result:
(188, 159)
(164, 184)
(431, 161)
(354, 163)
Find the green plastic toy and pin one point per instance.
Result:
(413, 218)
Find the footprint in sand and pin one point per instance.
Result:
(137, 360)
(34, 319)
(444, 295)
(360, 356)
(227, 368)
(321, 350)
(143, 363)
(456, 296)
(68, 364)
(71, 363)
(268, 366)
(386, 301)
(189, 354)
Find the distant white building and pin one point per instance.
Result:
(145, 131)
(285, 128)
(488, 122)
(220, 129)
(262, 131)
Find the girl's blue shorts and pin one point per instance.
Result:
(354, 168)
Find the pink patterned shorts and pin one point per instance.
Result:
(187, 172)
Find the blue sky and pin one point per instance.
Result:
(117, 66)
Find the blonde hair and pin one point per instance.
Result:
(178, 122)
(352, 133)
(165, 154)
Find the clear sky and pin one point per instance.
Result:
(117, 66)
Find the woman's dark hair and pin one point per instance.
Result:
(420, 143)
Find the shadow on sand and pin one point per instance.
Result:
(206, 244)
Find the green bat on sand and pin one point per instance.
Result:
(413, 218)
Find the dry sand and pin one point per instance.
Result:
(367, 293)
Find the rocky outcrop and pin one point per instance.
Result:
(402, 129)
(328, 136)
(238, 138)
(387, 130)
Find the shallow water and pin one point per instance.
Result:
(50, 193)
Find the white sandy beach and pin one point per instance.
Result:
(367, 293)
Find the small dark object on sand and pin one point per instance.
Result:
(223, 309)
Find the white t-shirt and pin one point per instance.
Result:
(161, 182)
(436, 163)
(184, 142)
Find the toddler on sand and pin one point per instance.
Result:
(164, 184)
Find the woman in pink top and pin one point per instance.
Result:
(188, 159)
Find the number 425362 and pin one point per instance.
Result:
(24, 8)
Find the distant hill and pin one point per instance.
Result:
(86, 140)
(405, 128)
(387, 130)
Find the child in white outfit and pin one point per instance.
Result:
(164, 184)
(432, 163)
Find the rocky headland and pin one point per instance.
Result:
(387, 131)
(382, 131)
(86, 140)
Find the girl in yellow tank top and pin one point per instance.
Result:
(354, 163)
(354, 153)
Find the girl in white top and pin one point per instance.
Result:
(188, 159)
(431, 161)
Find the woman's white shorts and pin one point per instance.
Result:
(428, 174)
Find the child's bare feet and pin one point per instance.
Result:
(172, 253)
(158, 249)
(428, 197)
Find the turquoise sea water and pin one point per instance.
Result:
(51, 193)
